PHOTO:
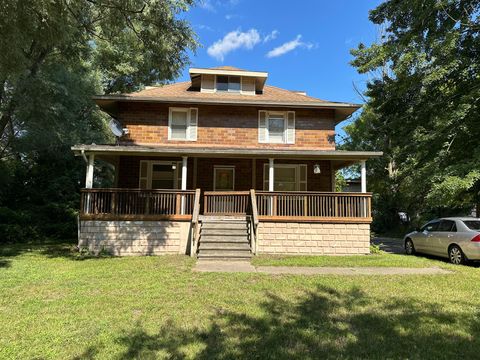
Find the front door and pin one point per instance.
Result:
(224, 178)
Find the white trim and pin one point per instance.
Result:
(363, 172)
(150, 164)
(184, 172)
(271, 175)
(218, 167)
(298, 181)
(285, 126)
(188, 111)
(89, 172)
(259, 74)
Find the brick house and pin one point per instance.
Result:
(224, 166)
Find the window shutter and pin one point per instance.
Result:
(262, 126)
(192, 126)
(291, 127)
(143, 175)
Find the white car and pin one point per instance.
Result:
(456, 238)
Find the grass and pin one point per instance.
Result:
(56, 304)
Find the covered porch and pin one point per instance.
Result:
(290, 189)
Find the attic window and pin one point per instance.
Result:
(228, 83)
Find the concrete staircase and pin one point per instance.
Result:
(224, 238)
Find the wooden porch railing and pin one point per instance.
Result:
(306, 206)
(226, 202)
(136, 204)
(195, 236)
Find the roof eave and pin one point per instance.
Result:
(305, 104)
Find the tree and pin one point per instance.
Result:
(56, 54)
(423, 112)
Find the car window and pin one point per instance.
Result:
(447, 225)
(431, 226)
(472, 224)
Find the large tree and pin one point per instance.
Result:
(422, 107)
(54, 55)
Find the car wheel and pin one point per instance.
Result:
(456, 256)
(409, 247)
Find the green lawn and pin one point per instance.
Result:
(57, 305)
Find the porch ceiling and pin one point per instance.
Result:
(340, 158)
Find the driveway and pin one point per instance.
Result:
(389, 245)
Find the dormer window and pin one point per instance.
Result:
(228, 83)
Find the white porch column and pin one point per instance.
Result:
(364, 175)
(89, 175)
(184, 180)
(184, 172)
(271, 175)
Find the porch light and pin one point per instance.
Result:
(316, 169)
(174, 166)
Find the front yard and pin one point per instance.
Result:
(56, 304)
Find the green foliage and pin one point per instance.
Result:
(55, 56)
(422, 109)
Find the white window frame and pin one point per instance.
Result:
(150, 163)
(285, 139)
(188, 111)
(298, 169)
(229, 91)
(285, 126)
(219, 167)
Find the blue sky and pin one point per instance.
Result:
(304, 45)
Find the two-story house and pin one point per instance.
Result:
(224, 166)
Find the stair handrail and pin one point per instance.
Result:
(195, 224)
(254, 219)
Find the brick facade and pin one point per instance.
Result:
(225, 126)
(313, 238)
(129, 168)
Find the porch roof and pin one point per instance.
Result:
(340, 158)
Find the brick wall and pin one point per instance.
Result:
(313, 238)
(125, 238)
(225, 126)
(129, 167)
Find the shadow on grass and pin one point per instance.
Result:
(325, 323)
(49, 250)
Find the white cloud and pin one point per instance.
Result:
(232, 41)
(289, 46)
(272, 36)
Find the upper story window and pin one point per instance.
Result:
(228, 83)
(182, 124)
(276, 127)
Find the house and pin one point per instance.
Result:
(224, 166)
(352, 185)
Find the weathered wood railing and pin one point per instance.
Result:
(298, 206)
(226, 202)
(195, 224)
(253, 221)
(136, 204)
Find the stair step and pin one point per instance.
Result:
(224, 232)
(224, 225)
(223, 240)
(213, 218)
(226, 256)
(242, 246)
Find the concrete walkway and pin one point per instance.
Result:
(246, 267)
